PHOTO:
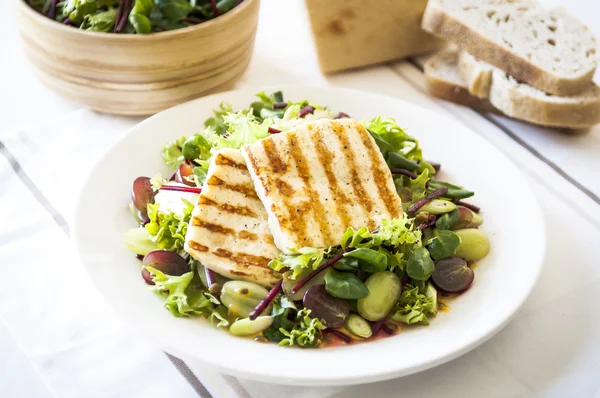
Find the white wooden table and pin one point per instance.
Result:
(57, 337)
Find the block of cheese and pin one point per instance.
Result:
(354, 33)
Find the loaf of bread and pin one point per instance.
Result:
(354, 33)
(547, 49)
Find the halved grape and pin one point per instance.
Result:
(167, 262)
(467, 219)
(452, 275)
(289, 284)
(184, 170)
(324, 306)
(142, 193)
(147, 276)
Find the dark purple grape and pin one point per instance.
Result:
(142, 193)
(147, 276)
(167, 262)
(322, 305)
(452, 275)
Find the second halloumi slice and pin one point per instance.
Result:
(319, 179)
(228, 232)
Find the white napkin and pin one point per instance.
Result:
(81, 349)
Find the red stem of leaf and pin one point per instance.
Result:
(264, 303)
(422, 202)
(430, 221)
(120, 25)
(376, 326)
(213, 5)
(387, 329)
(347, 339)
(469, 206)
(177, 188)
(52, 9)
(274, 131)
(307, 110)
(211, 281)
(323, 266)
(193, 20)
(403, 172)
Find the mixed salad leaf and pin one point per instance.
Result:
(132, 16)
(391, 274)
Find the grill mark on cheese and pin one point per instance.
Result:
(340, 200)
(243, 258)
(220, 229)
(268, 239)
(247, 235)
(381, 177)
(320, 214)
(247, 190)
(275, 161)
(222, 160)
(197, 246)
(240, 210)
(294, 221)
(360, 194)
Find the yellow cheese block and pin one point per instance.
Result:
(354, 33)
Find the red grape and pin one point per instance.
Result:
(452, 275)
(169, 263)
(142, 193)
(322, 305)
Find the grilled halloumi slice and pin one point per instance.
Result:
(319, 179)
(228, 232)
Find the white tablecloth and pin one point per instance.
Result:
(58, 338)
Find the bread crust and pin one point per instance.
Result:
(355, 33)
(521, 105)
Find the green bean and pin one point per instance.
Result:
(396, 160)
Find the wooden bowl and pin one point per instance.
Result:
(132, 74)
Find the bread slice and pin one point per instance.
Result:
(444, 81)
(477, 74)
(354, 33)
(508, 97)
(524, 102)
(548, 49)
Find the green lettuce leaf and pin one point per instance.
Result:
(186, 298)
(167, 228)
(299, 260)
(307, 332)
(395, 232)
(398, 141)
(413, 307)
(171, 153)
(216, 123)
(242, 129)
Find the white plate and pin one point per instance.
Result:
(513, 221)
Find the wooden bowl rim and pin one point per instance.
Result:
(51, 24)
